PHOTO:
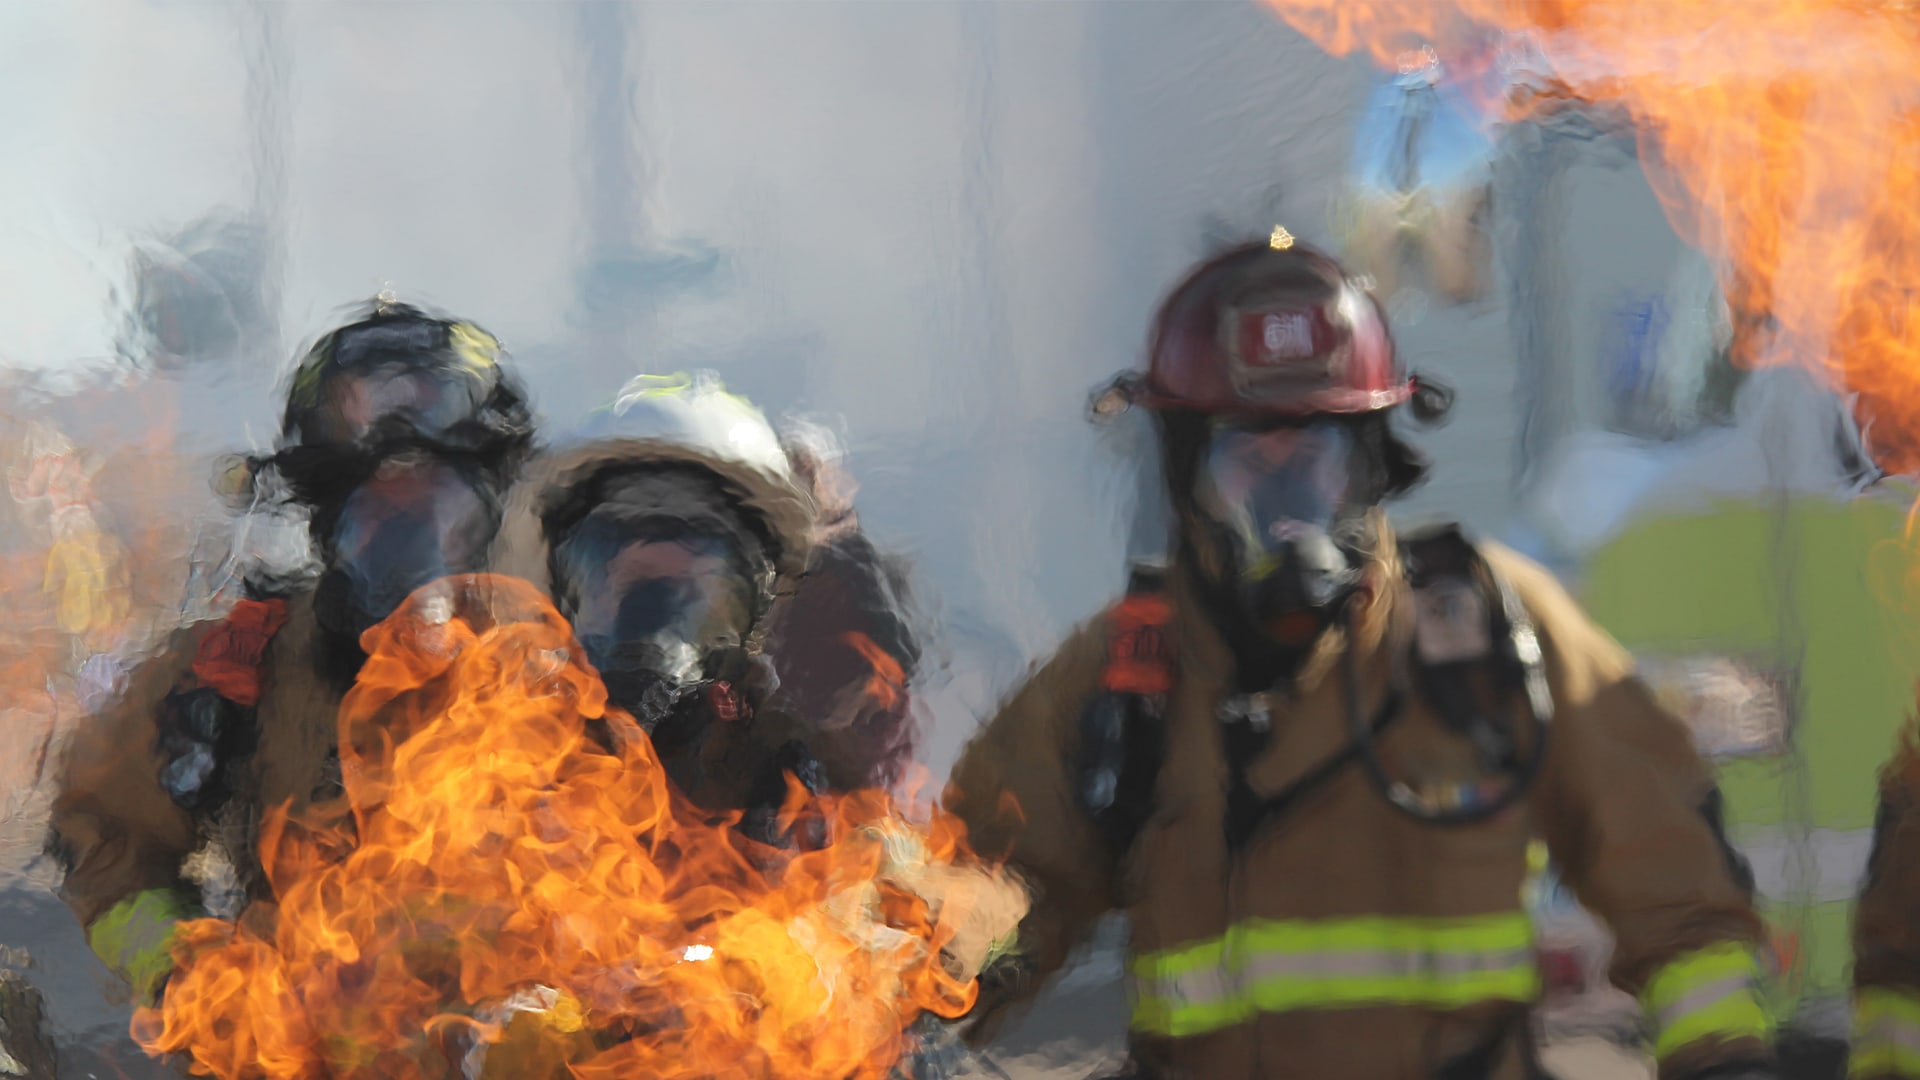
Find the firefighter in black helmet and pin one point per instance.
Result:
(402, 431)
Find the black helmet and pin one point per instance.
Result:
(402, 375)
(396, 380)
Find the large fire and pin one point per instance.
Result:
(1782, 135)
(508, 889)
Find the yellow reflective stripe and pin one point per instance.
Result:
(1538, 857)
(1740, 1015)
(645, 386)
(1477, 933)
(1286, 965)
(1886, 1034)
(641, 387)
(1508, 930)
(476, 348)
(1156, 1016)
(1513, 983)
(135, 937)
(1708, 993)
(306, 381)
(1533, 885)
(1517, 980)
(1168, 963)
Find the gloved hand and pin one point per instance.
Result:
(135, 940)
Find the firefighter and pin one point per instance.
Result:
(1886, 931)
(681, 537)
(665, 530)
(401, 434)
(791, 627)
(1306, 756)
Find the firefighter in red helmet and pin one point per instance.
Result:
(1307, 755)
(402, 431)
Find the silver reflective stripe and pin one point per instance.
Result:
(1703, 997)
(1212, 984)
(1381, 963)
(1197, 987)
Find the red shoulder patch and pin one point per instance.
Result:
(231, 655)
(1140, 648)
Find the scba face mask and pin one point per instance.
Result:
(660, 606)
(1284, 498)
(414, 521)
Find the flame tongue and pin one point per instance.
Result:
(1782, 135)
(508, 873)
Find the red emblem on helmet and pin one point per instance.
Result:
(1276, 331)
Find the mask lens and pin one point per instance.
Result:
(411, 523)
(1272, 485)
(685, 589)
(653, 599)
(424, 404)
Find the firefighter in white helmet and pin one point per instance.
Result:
(665, 530)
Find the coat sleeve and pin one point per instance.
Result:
(1630, 812)
(118, 834)
(1013, 788)
(1886, 929)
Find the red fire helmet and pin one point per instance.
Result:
(1267, 329)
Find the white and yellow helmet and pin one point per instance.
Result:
(687, 419)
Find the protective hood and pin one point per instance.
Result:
(523, 549)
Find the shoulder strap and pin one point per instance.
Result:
(232, 653)
(1436, 552)
(1447, 577)
(1139, 646)
(1470, 624)
(1122, 727)
(208, 718)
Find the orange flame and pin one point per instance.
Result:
(887, 686)
(1781, 134)
(509, 874)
